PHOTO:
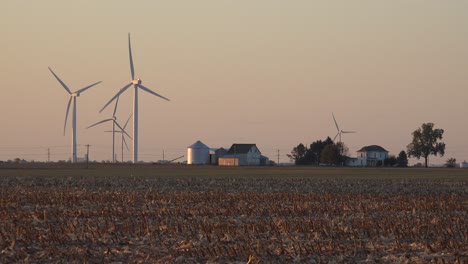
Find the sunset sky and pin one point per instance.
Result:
(268, 72)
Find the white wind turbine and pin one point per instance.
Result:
(339, 130)
(122, 132)
(137, 85)
(72, 98)
(114, 123)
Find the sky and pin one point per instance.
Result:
(268, 72)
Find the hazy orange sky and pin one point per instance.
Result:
(265, 72)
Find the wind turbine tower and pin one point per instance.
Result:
(73, 97)
(123, 134)
(114, 123)
(137, 85)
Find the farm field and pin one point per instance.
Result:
(181, 214)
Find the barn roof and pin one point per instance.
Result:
(375, 148)
(241, 148)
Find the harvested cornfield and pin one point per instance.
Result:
(191, 215)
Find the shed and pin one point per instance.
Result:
(228, 161)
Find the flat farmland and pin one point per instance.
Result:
(182, 214)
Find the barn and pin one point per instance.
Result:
(241, 155)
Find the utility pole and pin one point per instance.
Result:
(278, 157)
(87, 156)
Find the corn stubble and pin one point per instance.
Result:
(229, 220)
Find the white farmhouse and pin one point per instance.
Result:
(369, 156)
(241, 155)
(464, 164)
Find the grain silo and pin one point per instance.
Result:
(198, 153)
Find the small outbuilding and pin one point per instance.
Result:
(228, 161)
(218, 153)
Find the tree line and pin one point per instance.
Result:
(325, 152)
(426, 142)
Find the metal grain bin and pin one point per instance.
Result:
(198, 153)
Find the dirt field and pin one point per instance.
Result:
(154, 213)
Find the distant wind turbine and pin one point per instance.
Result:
(122, 132)
(72, 98)
(114, 123)
(339, 130)
(137, 85)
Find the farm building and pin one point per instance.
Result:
(369, 156)
(242, 155)
(228, 161)
(218, 153)
(464, 164)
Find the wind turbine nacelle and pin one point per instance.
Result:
(137, 81)
(75, 94)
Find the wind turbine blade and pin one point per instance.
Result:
(125, 142)
(151, 92)
(126, 123)
(100, 122)
(123, 133)
(60, 81)
(131, 59)
(117, 95)
(336, 136)
(115, 108)
(66, 114)
(337, 128)
(122, 129)
(86, 88)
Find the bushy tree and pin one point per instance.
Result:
(301, 155)
(402, 160)
(390, 161)
(298, 154)
(343, 152)
(451, 163)
(317, 147)
(330, 155)
(426, 142)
